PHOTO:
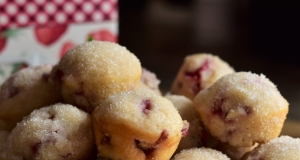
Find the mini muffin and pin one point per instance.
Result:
(137, 125)
(200, 154)
(24, 91)
(149, 81)
(284, 147)
(193, 132)
(242, 109)
(91, 72)
(56, 132)
(197, 136)
(198, 72)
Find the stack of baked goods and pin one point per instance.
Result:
(98, 102)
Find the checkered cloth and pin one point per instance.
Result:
(22, 13)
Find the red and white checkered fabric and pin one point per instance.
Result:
(22, 13)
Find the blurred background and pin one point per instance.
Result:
(260, 36)
(251, 35)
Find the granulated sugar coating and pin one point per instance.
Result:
(187, 112)
(56, 132)
(198, 72)
(149, 81)
(282, 148)
(137, 124)
(242, 109)
(92, 71)
(24, 91)
(200, 154)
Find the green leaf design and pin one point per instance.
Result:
(90, 38)
(9, 33)
(1, 72)
(16, 67)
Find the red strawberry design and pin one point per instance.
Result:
(4, 35)
(103, 35)
(2, 43)
(65, 48)
(47, 35)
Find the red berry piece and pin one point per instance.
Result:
(51, 116)
(217, 108)
(12, 92)
(146, 106)
(163, 136)
(185, 129)
(36, 147)
(147, 149)
(196, 76)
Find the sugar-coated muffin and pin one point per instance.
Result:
(92, 71)
(57, 132)
(149, 81)
(185, 108)
(281, 148)
(197, 136)
(198, 72)
(138, 125)
(200, 154)
(242, 109)
(24, 91)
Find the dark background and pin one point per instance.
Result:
(258, 36)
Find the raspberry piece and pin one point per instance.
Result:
(196, 76)
(163, 136)
(13, 91)
(217, 108)
(185, 128)
(146, 106)
(147, 149)
(35, 148)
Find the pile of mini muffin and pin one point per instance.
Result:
(98, 102)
